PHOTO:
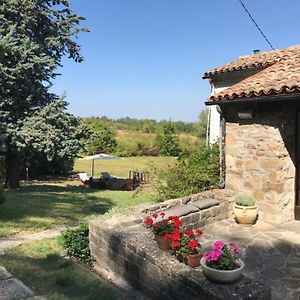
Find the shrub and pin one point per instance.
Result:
(76, 242)
(192, 174)
(244, 200)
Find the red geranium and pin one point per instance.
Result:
(161, 227)
(184, 242)
(189, 232)
(175, 244)
(193, 244)
(167, 236)
(176, 235)
(177, 222)
(149, 221)
(199, 232)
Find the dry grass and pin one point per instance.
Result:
(121, 167)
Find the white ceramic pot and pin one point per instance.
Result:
(222, 276)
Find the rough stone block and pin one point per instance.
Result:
(4, 274)
(206, 213)
(251, 165)
(271, 163)
(12, 288)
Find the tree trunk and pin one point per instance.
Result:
(13, 171)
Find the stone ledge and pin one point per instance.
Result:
(130, 252)
(199, 218)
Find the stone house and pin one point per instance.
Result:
(258, 100)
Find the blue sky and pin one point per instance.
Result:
(145, 58)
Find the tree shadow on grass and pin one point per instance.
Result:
(58, 278)
(46, 205)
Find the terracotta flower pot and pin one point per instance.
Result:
(181, 258)
(222, 276)
(193, 260)
(163, 244)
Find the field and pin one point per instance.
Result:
(122, 166)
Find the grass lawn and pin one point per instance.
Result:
(39, 265)
(43, 205)
(121, 167)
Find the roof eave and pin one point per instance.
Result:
(268, 98)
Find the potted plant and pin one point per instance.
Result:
(186, 246)
(222, 264)
(163, 229)
(245, 209)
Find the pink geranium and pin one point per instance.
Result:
(218, 245)
(222, 257)
(234, 247)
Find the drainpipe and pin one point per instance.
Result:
(207, 127)
(222, 149)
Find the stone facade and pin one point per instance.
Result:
(260, 160)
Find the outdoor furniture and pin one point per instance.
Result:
(84, 178)
(139, 176)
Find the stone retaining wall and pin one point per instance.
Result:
(128, 250)
(123, 245)
(201, 217)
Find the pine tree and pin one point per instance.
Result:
(34, 36)
(168, 140)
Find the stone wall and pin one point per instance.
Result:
(260, 157)
(123, 247)
(204, 216)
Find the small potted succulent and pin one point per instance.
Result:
(163, 229)
(222, 264)
(186, 246)
(245, 209)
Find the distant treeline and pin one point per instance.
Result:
(135, 137)
(145, 125)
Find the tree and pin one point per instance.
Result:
(168, 141)
(102, 140)
(202, 124)
(51, 134)
(34, 36)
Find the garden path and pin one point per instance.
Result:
(16, 240)
(10, 287)
(270, 252)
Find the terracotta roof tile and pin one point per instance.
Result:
(281, 74)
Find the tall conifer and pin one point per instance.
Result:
(34, 36)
